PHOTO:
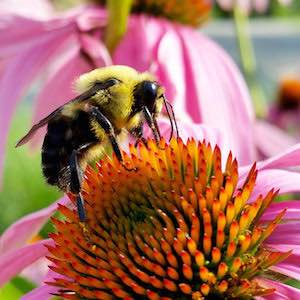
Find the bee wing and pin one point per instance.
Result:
(35, 127)
(84, 96)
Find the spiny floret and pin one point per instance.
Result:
(179, 227)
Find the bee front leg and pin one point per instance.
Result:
(137, 132)
(109, 130)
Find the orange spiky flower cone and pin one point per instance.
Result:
(177, 228)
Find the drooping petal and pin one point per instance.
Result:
(285, 233)
(285, 181)
(271, 140)
(19, 73)
(289, 158)
(170, 69)
(58, 88)
(20, 232)
(292, 213)
(42, 292)
(216, 92)
(283, 291)
(41, 9)
(289, 267)
(15, 261)
(137, 46)
(95, 49)
(19, 34)
(36, 271)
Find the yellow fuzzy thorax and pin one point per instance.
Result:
(116, 102)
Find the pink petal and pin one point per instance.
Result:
(283, 291)
(15, 261)
(19, 73)
(261, 5)
(289, 267)
(271, 140)
(19, 34)
(42, 292)
(36, 271)
(20, 232)
(292, 213)
(289, 158)
(88, 18)
(285, 181)
(138, 45)
(170, 70)
(285, 234)
(57, 90)
(40, 9)
(217, 94)
(95, 49)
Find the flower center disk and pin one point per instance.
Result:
(177, 228)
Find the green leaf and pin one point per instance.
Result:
(10, 291)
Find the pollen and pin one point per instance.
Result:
(179, 227)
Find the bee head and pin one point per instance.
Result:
(146, 94)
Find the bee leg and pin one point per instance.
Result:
(75, 187)
(152, 123)
(138, 134)
(109, 130)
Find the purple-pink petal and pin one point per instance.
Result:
(286, 159)
(283, 291)
(13, 262)
(42, 292)
(217, 94)
(292, 213)
(20, 72)
(41, 9)
(95, 49)
(285, 181)
(289, 267)
(271, 140)
(20, 232)
(137, 46)
(58, 88)
(285, 234)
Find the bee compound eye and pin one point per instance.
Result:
(150, 90)
(112, 81)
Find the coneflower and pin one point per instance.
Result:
(180, 227)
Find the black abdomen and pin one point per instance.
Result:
(64, 134)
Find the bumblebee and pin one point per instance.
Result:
(110, 100)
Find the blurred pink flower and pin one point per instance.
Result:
(40, 9)
(259, 6)
(285, 112)
(274, 173)
(188, 64)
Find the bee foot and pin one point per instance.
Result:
(87, 235)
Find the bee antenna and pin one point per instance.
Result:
(171, 117)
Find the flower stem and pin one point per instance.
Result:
(248, 61)
(117, 22)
